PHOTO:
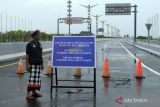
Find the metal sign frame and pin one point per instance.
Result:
(69, 80)
(135, 19)
(74, 20)
(118, 9)
(62, 20)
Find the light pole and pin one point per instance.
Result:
(115, 32)
(6, 29)
(69, 15)
(89, 14)
(31, 26)
(103, 26)
(118, 32)
(107, 29)
(1, 23)
(135, 23)
(148, 25)
(112, 31)
(1, 28)
(96, 16)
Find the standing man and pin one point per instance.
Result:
(34, 65)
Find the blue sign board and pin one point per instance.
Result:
(100, 30)
(71, 51)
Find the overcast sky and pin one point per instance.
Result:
(44, 13)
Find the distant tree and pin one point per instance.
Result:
(141, 37)
(22, 36)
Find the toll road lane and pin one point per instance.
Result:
(122, 82)
(149, 60)
(121, 85)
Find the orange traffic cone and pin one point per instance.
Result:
(106, 73)
(20, 66)
(139, 71)
(77, 72)
(49, 68)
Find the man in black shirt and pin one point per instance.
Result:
(34, 65)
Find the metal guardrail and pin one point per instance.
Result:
(13, 56)
(145, 49)
(18, 55)
(18, 47)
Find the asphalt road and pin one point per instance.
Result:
(122, 83)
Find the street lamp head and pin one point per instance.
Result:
(148, 25)
(69, 2)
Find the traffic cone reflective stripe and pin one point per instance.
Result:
(20, 67)
(139, 71)
(106, 73)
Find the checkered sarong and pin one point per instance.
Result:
(35, 77)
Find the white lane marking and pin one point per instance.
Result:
(128, 51)
(150, 69)
(7, 65)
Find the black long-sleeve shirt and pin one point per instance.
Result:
(34, 52)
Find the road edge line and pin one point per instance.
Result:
(145, 66)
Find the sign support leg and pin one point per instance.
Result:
(51, 81)
(56, 76)
(94, 81)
